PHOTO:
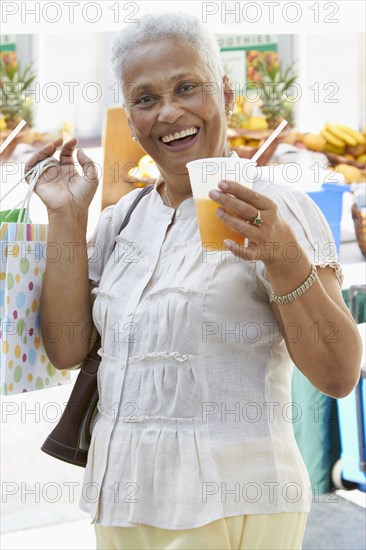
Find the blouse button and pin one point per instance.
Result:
(129, 313)
(178, 213)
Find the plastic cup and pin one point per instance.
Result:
(205, 174)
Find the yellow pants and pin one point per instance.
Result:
(282, 531)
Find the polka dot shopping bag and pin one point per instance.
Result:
(24, 362)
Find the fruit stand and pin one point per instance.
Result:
(344, 147)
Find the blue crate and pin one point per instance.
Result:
(352, 423)
(329, 199)
(352, 409)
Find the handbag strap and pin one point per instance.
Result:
(145, 191)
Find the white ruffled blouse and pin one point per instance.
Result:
(194, 420)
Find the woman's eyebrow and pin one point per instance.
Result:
(180, 76)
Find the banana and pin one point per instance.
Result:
(360, 139)
(340, 134)
(331, 138)
(329, 148)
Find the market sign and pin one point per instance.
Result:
(247, 42)
(241, 54)
(7, 42)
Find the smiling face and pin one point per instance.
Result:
(173, 106)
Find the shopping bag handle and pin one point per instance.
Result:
(34, 175)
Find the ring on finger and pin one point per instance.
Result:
(257, 220)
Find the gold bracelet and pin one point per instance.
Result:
(287, 298)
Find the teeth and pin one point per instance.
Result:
(177, 135)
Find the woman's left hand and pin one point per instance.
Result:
(272, 242)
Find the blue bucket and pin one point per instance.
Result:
(329, 199)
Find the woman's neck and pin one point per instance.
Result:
(173, 197)
(174, 189)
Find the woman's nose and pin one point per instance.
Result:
(169, 110)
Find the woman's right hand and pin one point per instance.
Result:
(62, 188)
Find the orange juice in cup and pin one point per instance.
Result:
(212, 229)
(205, 174)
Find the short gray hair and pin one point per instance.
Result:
(180, 26)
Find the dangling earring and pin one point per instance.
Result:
(134, 138)
(229, 113)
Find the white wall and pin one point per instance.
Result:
(332, 80)
(66, 58)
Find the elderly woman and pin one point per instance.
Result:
(193, 445)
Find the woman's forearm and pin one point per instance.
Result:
(65, 308)
(321, 335)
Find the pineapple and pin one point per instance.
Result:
(14, 81)
(274, 82)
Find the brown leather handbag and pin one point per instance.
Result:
(70, 439)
